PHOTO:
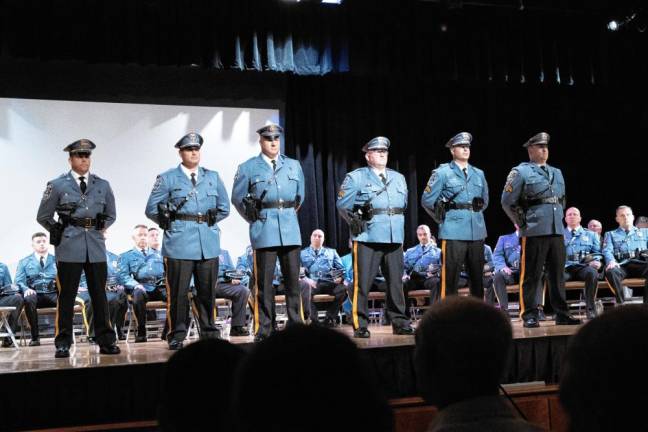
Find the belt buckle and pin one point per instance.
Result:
(200, 218)
(87, 223)
(281, 204)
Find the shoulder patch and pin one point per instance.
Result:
(508, 187)
(48, 192)
(433, 176)
(158, 183)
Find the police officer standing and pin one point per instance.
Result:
(583, 261)
(187, 202)
(373, 200)
(85, 206)
(268, 190)
(625, 251)
(533, 198)
(455, 197)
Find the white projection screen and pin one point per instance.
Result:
(134, 144)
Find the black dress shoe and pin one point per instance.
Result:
(239, 331)
(109, 349)
(121, 335)
(531, 323)
(362, 333)
(407, 330)
(34, 342)
(140, 339)
(541, 315)
(567, 320)
(259, 337)
(7, 343)
(62, 352)
(175, 345)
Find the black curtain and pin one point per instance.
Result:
(596, 132)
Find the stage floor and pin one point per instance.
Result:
(84, 355)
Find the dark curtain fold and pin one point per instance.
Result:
(486, 43)
(270, 35)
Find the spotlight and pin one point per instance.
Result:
(615, 25)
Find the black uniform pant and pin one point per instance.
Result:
(15, 300)
(366, 260)
(68, 278)
(32, 303)
(263, 291)
(238, 294)
(304, 293)
(615, 276)
(456, 253)
(420, 282)
(140, 298)
(589, 275)
(330, 288)
(497, 291)
(547, 251)
(117, 307)
(178, 277)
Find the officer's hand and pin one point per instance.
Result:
(346, 283)
(405, 278)
(507, 271)
(611, 265)
(139, 287)
(311, 283)
(236, 281)
(595, 264)
(338, 280)
(29, 292)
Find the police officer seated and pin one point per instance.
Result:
(230, 287)
(117, 299)
(36, 277)
(142, 273)
(506, 262)
(422, 265)
(324, 275)
(625, 251)
(9, 296)
(583, 257)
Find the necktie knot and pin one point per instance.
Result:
(465, 171)
(82, 184)
(42, 262)
(383, 178)
(143, 251)
(193, 179)
(274, 165)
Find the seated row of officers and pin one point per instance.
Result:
(189, 200)
(139, 273)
